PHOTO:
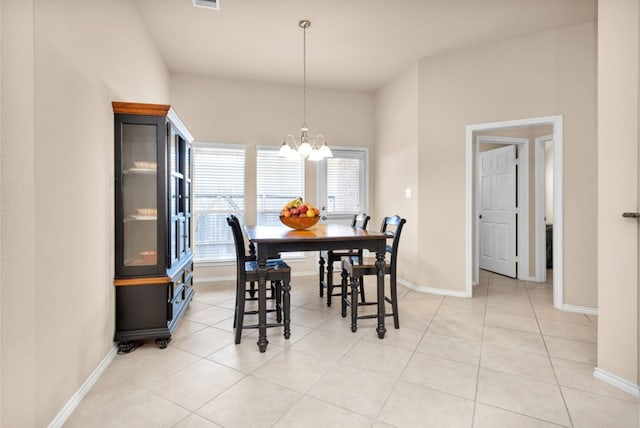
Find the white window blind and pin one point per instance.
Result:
(218, 192)
(278, 181)
(343, 185)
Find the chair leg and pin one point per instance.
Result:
(362, 299)
(235, 312)
(343, 298)
(321, 275)
(329, 281)
(239, 316)
(252, 289)
(355, 283)
(394, 301)
(286, 297)
(278, 299)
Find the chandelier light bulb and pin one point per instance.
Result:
(315, 155)
(325, 151)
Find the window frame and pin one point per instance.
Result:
(321, 184)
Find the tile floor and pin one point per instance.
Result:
(505, 358)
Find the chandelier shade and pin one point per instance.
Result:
(313, 148)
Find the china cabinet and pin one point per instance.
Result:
(153, 240)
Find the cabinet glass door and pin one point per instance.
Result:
(187, 199)
(139, 194)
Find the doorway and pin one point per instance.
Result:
(472, 266)
(502, 231)
(544, 151)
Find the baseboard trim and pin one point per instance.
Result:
(198, 279)
(580, 309)
(84, 389)
(618, 382)
(201, 280)
(438, 291)
(410, 285)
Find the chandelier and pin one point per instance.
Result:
(312, 148)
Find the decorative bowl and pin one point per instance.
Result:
(299, 223)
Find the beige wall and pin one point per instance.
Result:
(63, 62)
(18, 245)
(540, 75)
(254, 113)
(618, 326)
(396, 164)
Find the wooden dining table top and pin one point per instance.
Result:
(321, 232)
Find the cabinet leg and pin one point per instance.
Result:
(127, 347)
(163, 342)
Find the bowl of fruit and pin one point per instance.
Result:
(299, 215)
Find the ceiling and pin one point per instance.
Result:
(351, 44)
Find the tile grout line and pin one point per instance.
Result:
(484, 318)
(413, 353)
(544, 342)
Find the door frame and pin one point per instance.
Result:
(558, 245)
(522, 190)
(540, 189)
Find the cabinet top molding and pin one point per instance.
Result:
(140, 108)
(122, 107)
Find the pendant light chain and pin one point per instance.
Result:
(304, 74)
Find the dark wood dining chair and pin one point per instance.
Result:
(278, 273)
(354, 270)
(360, 221)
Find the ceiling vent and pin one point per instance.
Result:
(207, 4)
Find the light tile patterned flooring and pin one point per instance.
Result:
(505, 358)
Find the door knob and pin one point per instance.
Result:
(480, 216)
(630, 215)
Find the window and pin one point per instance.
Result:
(218, 192)
(342, 184)
(278, 180)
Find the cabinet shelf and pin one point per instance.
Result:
(140, 218)
(141, 171)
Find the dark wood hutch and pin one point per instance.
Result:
(153, 216)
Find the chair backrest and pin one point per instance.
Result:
(360, 221)
(392, 227)
(238, 239)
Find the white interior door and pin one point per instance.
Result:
(497, 210)
(342, 185)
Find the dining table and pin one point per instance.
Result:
(271, 240)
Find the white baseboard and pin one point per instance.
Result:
(199, 279)
(580, 309)
(618, 382)
(221, 278)
(438, 291)
(420, 289)
(84, 389)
